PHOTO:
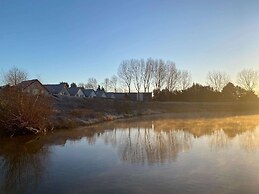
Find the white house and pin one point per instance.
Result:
(89, 93)
(100, 94)
(75, 91)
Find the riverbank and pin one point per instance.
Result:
(77, 112)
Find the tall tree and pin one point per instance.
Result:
(248, 79)
(15, 76)
(148, 74)
(106, 84)
(114, 82)
(217, 80)
(92, 83)
(172, 77)
(137, 67)
(81, 85)
(125, 73)
(185, 79)
(160, 72)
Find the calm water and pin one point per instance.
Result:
(147, 155)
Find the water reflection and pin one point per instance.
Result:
(145, 145)
(23, 165)
(219, 140)
(158, 141)
(24, 161)
(249, 141)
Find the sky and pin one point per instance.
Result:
(62, 40)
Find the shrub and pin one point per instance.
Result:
(22, 113)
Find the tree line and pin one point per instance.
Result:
(200, 93)
(160, 76)
(152, 73)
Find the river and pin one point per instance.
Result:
(155, 154)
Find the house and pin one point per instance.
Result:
(76, 91)
(110, 95)
(34, 87)
(89, 93)
(100, 94)
(58, 89)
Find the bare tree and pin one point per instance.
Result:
(248, 79)
(92, 83)
(148, 73)
(125, 73)
(217, 80)
(106, 84)
(173, 76)
(160, 73)
(114, 82)
(185, 79)
(14, 76)
(81, 85)
(137, 67)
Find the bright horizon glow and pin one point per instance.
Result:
(74, 40)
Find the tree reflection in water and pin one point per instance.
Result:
(146, 145)
(219, 140)
(22, 165)
(23, 162)
(249, 140)
(161, 140)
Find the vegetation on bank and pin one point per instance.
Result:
(199, 93)
(21, 113)
(75, 112)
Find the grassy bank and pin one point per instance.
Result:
(74, 112)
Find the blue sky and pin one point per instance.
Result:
(62, 40)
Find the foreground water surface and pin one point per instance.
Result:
(157, 154)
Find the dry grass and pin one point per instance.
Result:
(74, 112)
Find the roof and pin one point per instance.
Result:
(99, 93)
(55, 88)
(73, 90)
(87, 92)
(25, 84)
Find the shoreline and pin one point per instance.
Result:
(88, 112)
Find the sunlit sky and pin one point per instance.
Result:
(57, 40)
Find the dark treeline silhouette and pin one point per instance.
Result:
(200, 93)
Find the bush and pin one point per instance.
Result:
(22, 113)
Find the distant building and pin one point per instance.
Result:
(34, 87)
(58, 89)
(110, 95)
(76, 91)
(141, 96)
(100, 94)
(121, 96)
(134, 96)
(89, 93)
